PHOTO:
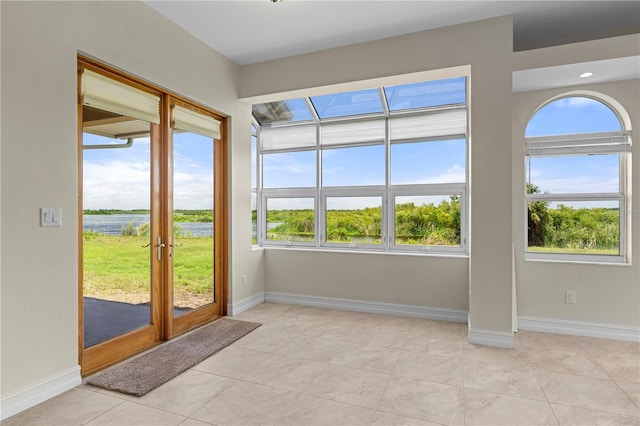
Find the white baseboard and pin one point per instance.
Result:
(244, 304)
(500, 339)
(28, 398)
(578, 328)
(412, 311)
(476, 336)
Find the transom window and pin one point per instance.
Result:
(382, 169)
(577, 161)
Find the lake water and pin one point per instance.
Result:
(111, 224)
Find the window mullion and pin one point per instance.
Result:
(320, 217)
(574, 197)
(260, 214)
(349, 141)
(388, 228)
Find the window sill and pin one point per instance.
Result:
(373, 252)
(579, 262)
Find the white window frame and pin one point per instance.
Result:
(255, 132)
(426, 190)
(281, 193)
(387, 192)
(352, 192)
(614, 142)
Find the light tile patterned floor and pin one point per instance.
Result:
(308, 366)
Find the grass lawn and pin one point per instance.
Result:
(613, 251)
(118, 268)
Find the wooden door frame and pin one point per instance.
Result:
(162, 326)
(175, 326)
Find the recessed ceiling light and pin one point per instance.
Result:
(586, 74)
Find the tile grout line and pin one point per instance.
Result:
(598, 411)
(580, 407)
(594, 360)
(122, 401)
(386, 385)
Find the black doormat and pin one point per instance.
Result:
(145, 372)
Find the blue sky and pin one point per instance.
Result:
(116, 178)
(572, 115)
(119, 178)
(411, 163)
(574, 174)
(445, 161)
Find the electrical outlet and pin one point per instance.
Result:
(244, 281)
(570, 297)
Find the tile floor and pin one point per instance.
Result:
(308, 366)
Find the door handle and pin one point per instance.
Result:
(159, 248)
(171, 246)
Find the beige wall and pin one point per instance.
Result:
(434, 281)
(606, 294)
(398, 279)
(38, 168)
(40, 42)
(430, 281)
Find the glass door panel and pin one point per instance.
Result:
(192, 250)
(116, 234)
(152, 247)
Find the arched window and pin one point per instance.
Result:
(577, 163)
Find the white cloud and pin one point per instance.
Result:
(116, 185)
(454, 174)
(290, 203)
(193, 191)
(576, 102)
(423, 200)
(352, 203)
(577, 184)
(126, 185)
(285, 163)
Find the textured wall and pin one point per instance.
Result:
(607, 294)
(484, 47)
(40, 43)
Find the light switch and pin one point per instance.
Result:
(50, 216)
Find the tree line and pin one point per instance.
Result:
(179, 215)
(565, 227)
(426, 224)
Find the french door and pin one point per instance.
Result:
(195, 229)
(152, 243)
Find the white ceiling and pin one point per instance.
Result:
(250, 31)
(616, 69)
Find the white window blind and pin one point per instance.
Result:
(190, 121)
(352, 132)
(578, 144)
(104, 93)
(416, 127)
(289, 137)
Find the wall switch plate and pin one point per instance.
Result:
(50, 216)
(570, 297)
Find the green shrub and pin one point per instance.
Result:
(131, 230)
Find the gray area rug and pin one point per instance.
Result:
(145, 372)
